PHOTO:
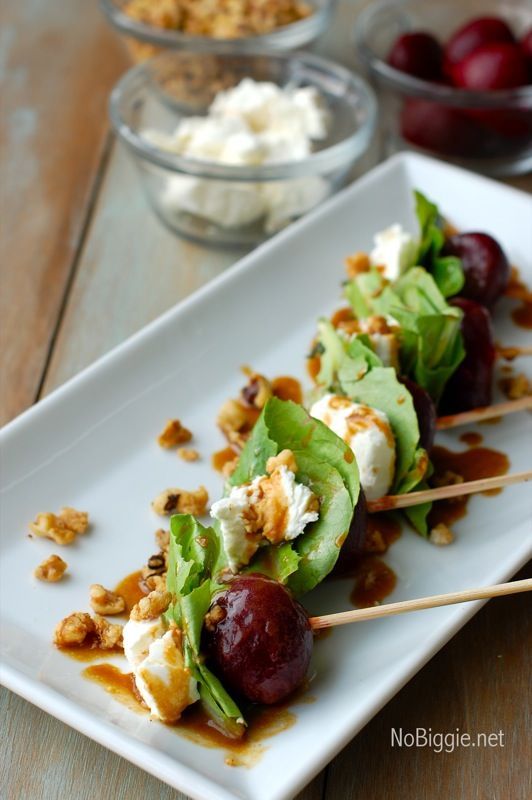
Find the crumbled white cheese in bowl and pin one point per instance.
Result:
(233, 147)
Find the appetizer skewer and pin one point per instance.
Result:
(420, 604)
(481, 414)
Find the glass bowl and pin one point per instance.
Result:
(236, 205)
(490, 132)
(144, 41)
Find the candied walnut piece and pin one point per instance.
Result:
(283, 459)
(258, 390)
(173, 434)
(108, 634)
(162, 539)
(441, 535)
(74, 629)
(232, 418)
(213, 617)
(229, 467)
(77, 521)
(151, 607)
(188, 453)
(181, 501)
(51, 569)
(103, 601)
(156, 583)
(61, 528)
(357, 263)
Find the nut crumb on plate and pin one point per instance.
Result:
(61, 528)
(173, 434)
(181, 501)
(188, 453)
(103, 601)
(516, 386)
(441, 535)
(357, 263)
(51, 569)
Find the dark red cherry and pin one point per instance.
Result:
(486, 268)
(474, 34)
(471, 385)
(526, 45)
(259, 639)
(498, 65)
(425, 411)
(419, 54)
(441, 129)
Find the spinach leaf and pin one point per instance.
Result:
(327, 466)
(193, 560)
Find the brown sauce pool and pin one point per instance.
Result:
(89, 652)
(263, 721)
(518, 290)
(472, 464)
(132, 589)
(286, 388)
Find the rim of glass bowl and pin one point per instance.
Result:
(322, 161)
(288, 36)
(519, 98)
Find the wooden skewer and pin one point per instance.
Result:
(486, 412)
(391, 501)
(435, 601)
(510, 352)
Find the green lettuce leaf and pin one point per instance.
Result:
(194, 558)
(446, 270)
(327, 466)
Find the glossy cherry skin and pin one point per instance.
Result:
(261, 648)
(498, 65)
(474, 34)
(486, 268)
(418, 54)
(425, 412)
(353, 546)
(471, 385)
(526, 46)
(441, 129)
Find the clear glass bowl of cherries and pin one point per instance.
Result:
(455, 78)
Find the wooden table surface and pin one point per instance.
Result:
(65, 185)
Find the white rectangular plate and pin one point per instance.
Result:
(92, 445)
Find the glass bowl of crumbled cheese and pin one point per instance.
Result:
(149, 26)
(232, 148)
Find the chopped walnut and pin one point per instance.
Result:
(233, 420)
(61, 528)
(162, 539)
(377, 324)
(516, 386)
(213, 617)
(152, 606)
(181, 501)
(108, 634)
(229, 467)
(51, 569)
(258, 390)
(188, 453)
(103, 601)
(77, 521)
(74, 629)
(441, 535)
(156, 583)
(283, 459)
(357, 263)
(173, 434)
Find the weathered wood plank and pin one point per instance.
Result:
(54, 86)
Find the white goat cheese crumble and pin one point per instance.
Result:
(395, 250)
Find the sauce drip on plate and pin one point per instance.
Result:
(471, 465)
(518, 290)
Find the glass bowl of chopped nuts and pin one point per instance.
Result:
(149, 26)
(232, 147)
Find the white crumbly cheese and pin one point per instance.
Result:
(157, 664)
(239, 546)
(395, 250)
(254, 123)
(385, 345)
(368, 433)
